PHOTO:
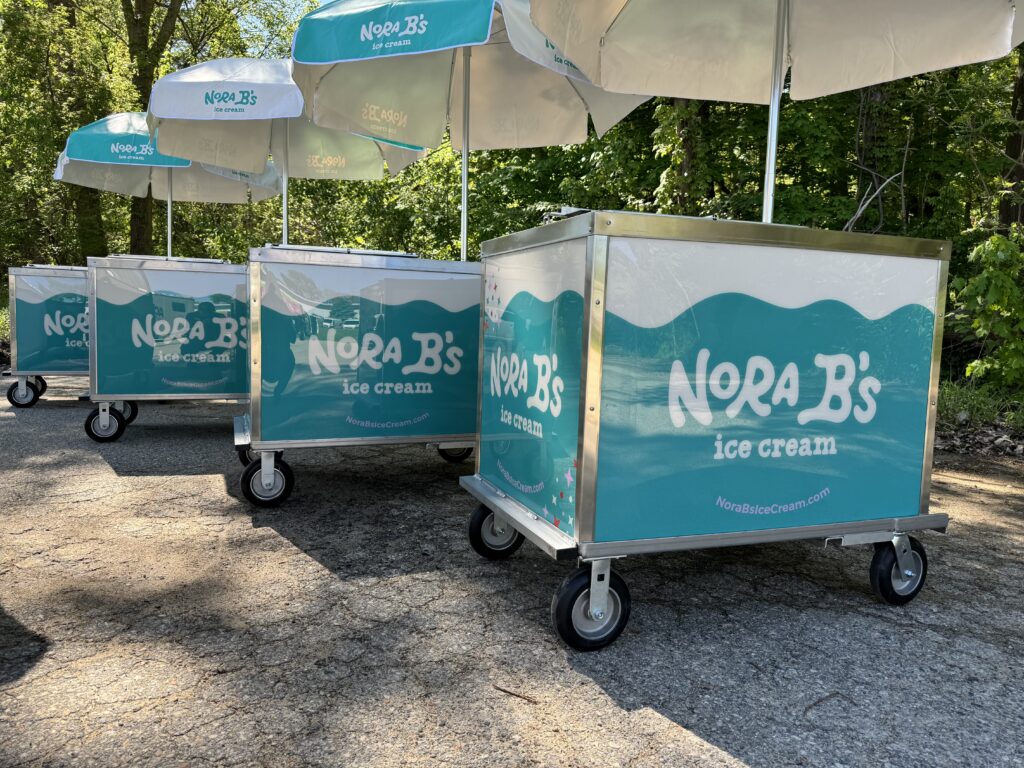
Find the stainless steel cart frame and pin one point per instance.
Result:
(597, 228)
(248, 438)
(25, 375)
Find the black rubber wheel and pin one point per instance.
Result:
(888, 582)
(32, 394)
(570, 612)
(114, 429)
(247, 455)
(455, 455)
(130, 410)
(41, 385)
(489, 542)
(252, 485)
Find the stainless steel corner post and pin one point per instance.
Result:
(163, 329)
(49, 328)
(356, 348)
(723, 383)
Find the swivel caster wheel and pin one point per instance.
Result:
(892, 583)
(42, 385)
(455, 455)
(130, 410)
(577, 624)
(116, 424)
(247, 455)
(279, 490)
(26, 400)
(491, 537)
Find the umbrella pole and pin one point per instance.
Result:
(170, 202)
(464, 223)
(284, 190)
(778, 75)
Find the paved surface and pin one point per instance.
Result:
(148, 617)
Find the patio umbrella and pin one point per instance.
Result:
(398, 68)
(236, 113)
(116, 154)
(739, 50)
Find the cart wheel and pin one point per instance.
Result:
(130, 410)
(247, 455)
(115, 427)
(489, 542)
(570, 612)
(888, 582)
(31, 397)
(42, 385)
(252, 485)
(455, 455)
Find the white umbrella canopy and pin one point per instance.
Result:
(191, 183)
(740, 50)
(522, 92)
(398, 69)
(237, 112)
(116, 154)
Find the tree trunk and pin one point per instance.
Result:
(145, 51)
(1011, 205)
(141, 226)
(90, 229)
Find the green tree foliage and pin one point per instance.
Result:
(990, 305)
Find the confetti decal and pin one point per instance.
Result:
(492, 301)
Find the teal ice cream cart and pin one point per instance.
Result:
(163, 329)
(49, 328)
(656, 383)
(356, 348)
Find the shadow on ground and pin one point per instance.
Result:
(20, 648)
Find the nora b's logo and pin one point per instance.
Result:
(245, 97)
(210, 331)
(61, 323)
(121, 148)
(761, 388)
(407, 27)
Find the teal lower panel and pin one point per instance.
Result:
(172, 345)
(745, 471)
(530, 404)
(311, 391)
(53, 335)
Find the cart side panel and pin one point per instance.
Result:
(353, 352)
(51, 323)
(170, 331)
(752, 387)
(529, 414)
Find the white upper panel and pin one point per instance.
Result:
(545, 272)
(652, 282)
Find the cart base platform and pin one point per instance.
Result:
(552, 541)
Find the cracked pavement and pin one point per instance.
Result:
(150, 617)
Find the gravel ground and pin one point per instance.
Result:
(148, 616)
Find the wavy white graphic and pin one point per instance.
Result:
(124, 285)
(545, 272)
(35, 289)
(652, 282)
(295, 289)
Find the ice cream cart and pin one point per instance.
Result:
(656, 383)
(49, 328)
(356, 348)
(163, 329)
